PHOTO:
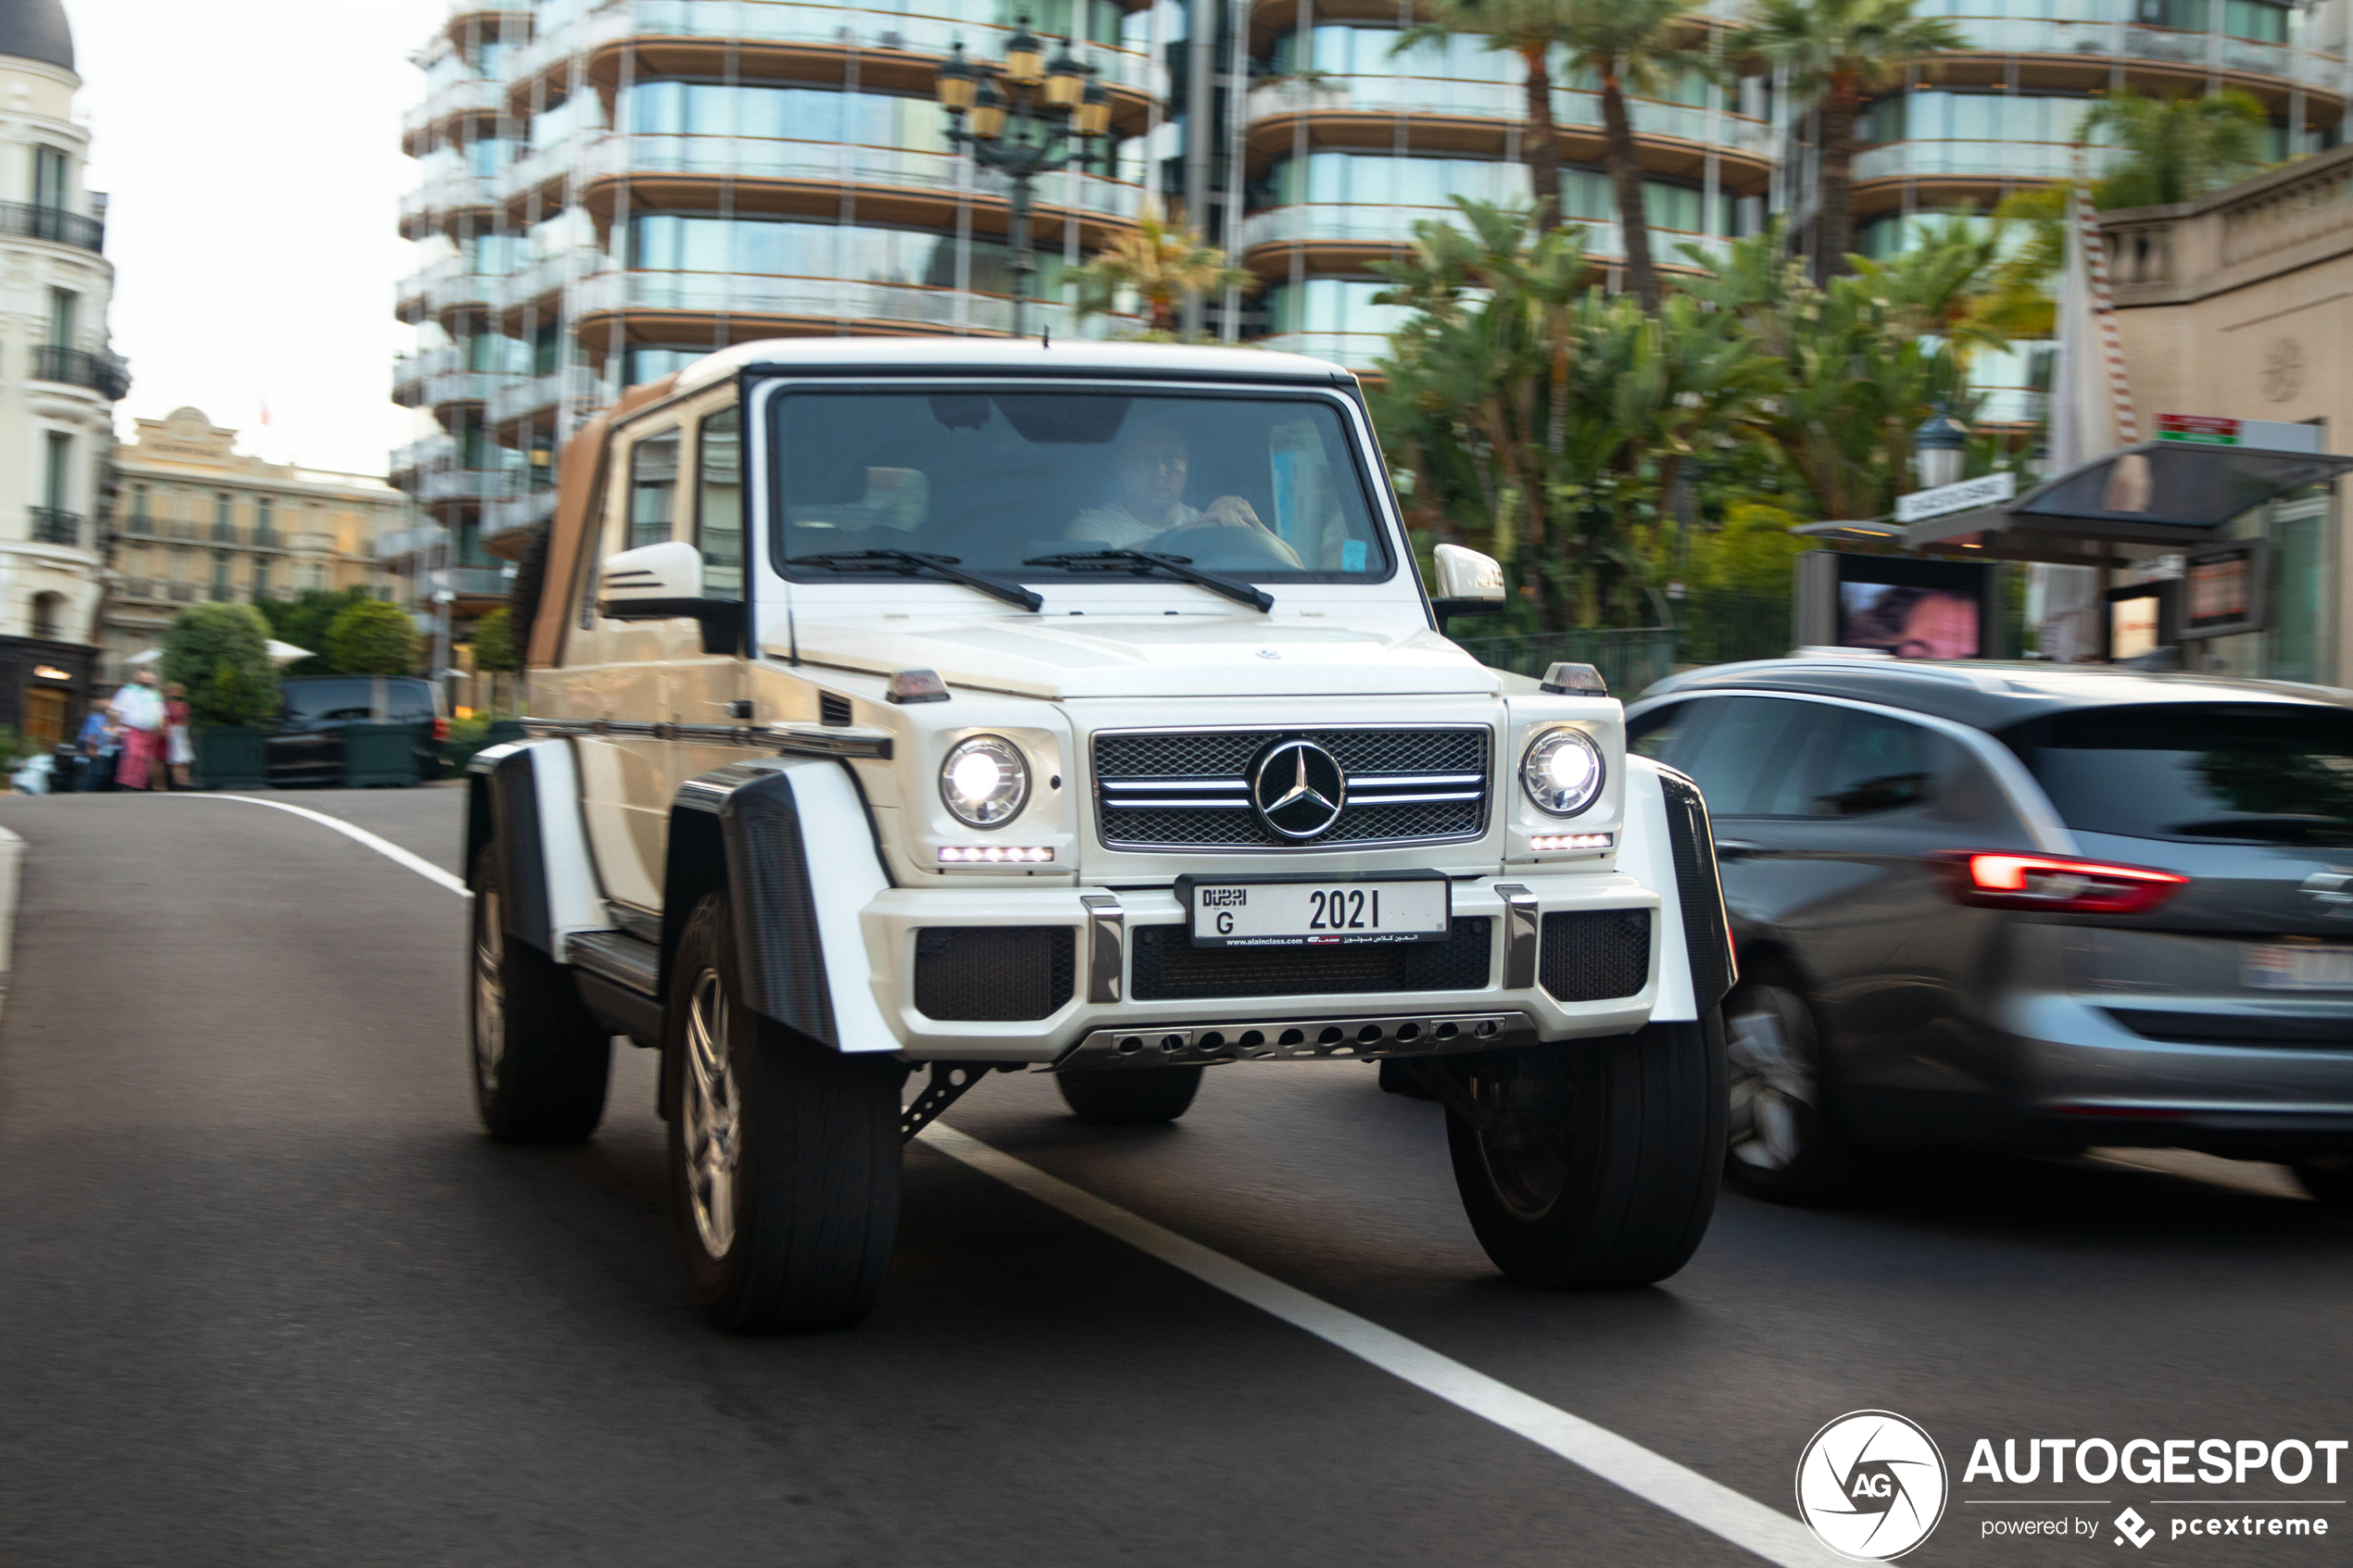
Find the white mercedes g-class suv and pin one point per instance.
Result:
(907, 705)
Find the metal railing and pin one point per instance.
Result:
(832, 298)
(24, 220)
(50, 526)
(1386, 224)
(1574, 108)
(102, 373)
(753, 157)
(523, 396)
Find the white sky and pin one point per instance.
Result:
(251, 150)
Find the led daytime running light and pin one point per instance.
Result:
(995, 854)
(1545, 843)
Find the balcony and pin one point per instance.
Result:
(469, 582)
(913, 305)
(466, 485)
(520, 398)
(546, 276)
(436, 198)
(50, 526)
(1979, 161)
(463, 387)
(22, 220)
(104, 374)
(1371, 225)
(408, 541)
(531, 507)
(432, 450)
(467, 95)
(415, 292)
(2188, 51)
(462, 290)
(1501, 101)
(835, 163)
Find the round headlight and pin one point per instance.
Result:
(984, 781)
(1562, 771)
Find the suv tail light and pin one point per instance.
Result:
(440, 728)
(2004, 879)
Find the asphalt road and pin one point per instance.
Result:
(266, 1294)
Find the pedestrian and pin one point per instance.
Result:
(139, 709)
(178, 754)
(101, 739)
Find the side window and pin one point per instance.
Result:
(1865, 763)
(653, 489)
(719, 503)
(1654, 734)
(1743, 761)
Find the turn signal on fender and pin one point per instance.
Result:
(2002, 879)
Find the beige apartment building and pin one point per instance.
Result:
(197, 521)
(2240, 305)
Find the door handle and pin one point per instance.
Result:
(1734, 848)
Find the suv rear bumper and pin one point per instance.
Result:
(2087, 1076)
(1100, 1024)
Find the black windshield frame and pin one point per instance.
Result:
(1353, 432)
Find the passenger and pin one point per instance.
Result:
(1151, 465)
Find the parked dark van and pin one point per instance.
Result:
(308, 747)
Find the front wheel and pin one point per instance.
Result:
(1593, 1165)
(783, 1154)
(540, 1062)
(1786, 1146)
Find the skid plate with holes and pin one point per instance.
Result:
(1292, 1039)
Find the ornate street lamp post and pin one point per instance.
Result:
(1045, 117)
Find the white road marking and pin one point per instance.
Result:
(1655, 1478)
(1652, 1477)
(383, 846)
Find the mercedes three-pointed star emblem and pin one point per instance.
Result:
(1297, 790)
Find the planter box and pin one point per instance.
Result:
(505, 730)
(231, 756)
(378, 756)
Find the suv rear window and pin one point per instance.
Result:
(406, 698)
(2212, 773)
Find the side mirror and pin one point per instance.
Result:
(664, 582)
(1468, 582)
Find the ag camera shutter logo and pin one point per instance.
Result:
(1871, 1486)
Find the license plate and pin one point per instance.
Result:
(2296, 968)
(1310, 911)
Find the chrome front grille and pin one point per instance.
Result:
(1189, 789)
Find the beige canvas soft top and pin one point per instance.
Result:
(579, 481)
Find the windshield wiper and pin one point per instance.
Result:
(910, 562)
(1142, 561)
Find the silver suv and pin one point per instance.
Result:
(941, 706)
(2019, 904)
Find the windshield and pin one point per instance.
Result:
(2207, 772)
(1258, 488)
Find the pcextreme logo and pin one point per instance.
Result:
(1871, 1486)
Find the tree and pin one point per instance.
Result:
(1161, 265)
(1625, 44)
(303, 621)
(495, 644)
(2175, 149)
(372, 638)
(1837, 53)
(219, 653)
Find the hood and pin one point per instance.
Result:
(1119, 656)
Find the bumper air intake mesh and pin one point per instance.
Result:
(1592, 954)
(1167, 966)
(994, 973)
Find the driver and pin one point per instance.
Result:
(1151, 465)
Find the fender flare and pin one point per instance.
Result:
(524, 797)
(791, 842)
(1672, 851)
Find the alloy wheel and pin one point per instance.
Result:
(710, 1112)
(1776, 1082)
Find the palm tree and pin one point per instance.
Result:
(1627, 44)
(1161, 265)
(2176, 149)
(1837, 53)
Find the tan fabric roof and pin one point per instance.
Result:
(580, 480)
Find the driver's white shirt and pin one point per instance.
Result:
(1122, 529)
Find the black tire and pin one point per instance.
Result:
(2328, 1178)
(1785, 1142)
(1598, 1162)
(1399, 1078)
(785, 1154)
(540, 1062)
(1129, 1097)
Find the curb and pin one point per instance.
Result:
(11, 867)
